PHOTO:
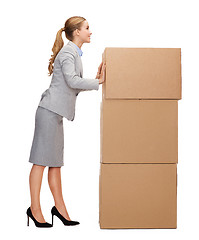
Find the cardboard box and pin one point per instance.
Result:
(142, 73)
(138, 195)
(139, 131)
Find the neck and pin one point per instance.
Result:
(77, 42)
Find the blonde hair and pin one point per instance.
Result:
(70, 26)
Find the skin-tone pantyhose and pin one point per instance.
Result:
(54, 181)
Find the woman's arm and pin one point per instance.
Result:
(98, 76)
(67, 62)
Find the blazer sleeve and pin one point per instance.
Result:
(67, 62)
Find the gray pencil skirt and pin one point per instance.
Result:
(48, 140)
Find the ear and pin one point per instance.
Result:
(77, 32)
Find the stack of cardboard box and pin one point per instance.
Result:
(139, 138)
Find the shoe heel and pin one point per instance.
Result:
(52, 219)
(27, 220)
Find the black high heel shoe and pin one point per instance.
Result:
(55, 212)
(37, 224)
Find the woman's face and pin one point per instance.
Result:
(85, 33)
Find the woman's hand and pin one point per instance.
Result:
(99, 70)
(102, 74)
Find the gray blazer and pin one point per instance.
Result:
(66, 83)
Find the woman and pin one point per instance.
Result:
(56, 102)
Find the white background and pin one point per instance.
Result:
(28, 31)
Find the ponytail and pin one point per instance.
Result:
(58, 44)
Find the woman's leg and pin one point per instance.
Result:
(54, 180)
(35, 180)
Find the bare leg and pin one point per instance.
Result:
(35, 180)
(54, 180)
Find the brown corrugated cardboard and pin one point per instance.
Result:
(142, 73)
(139, 131)
(138, 196)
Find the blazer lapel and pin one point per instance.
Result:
(81, 68)
(78, 57)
